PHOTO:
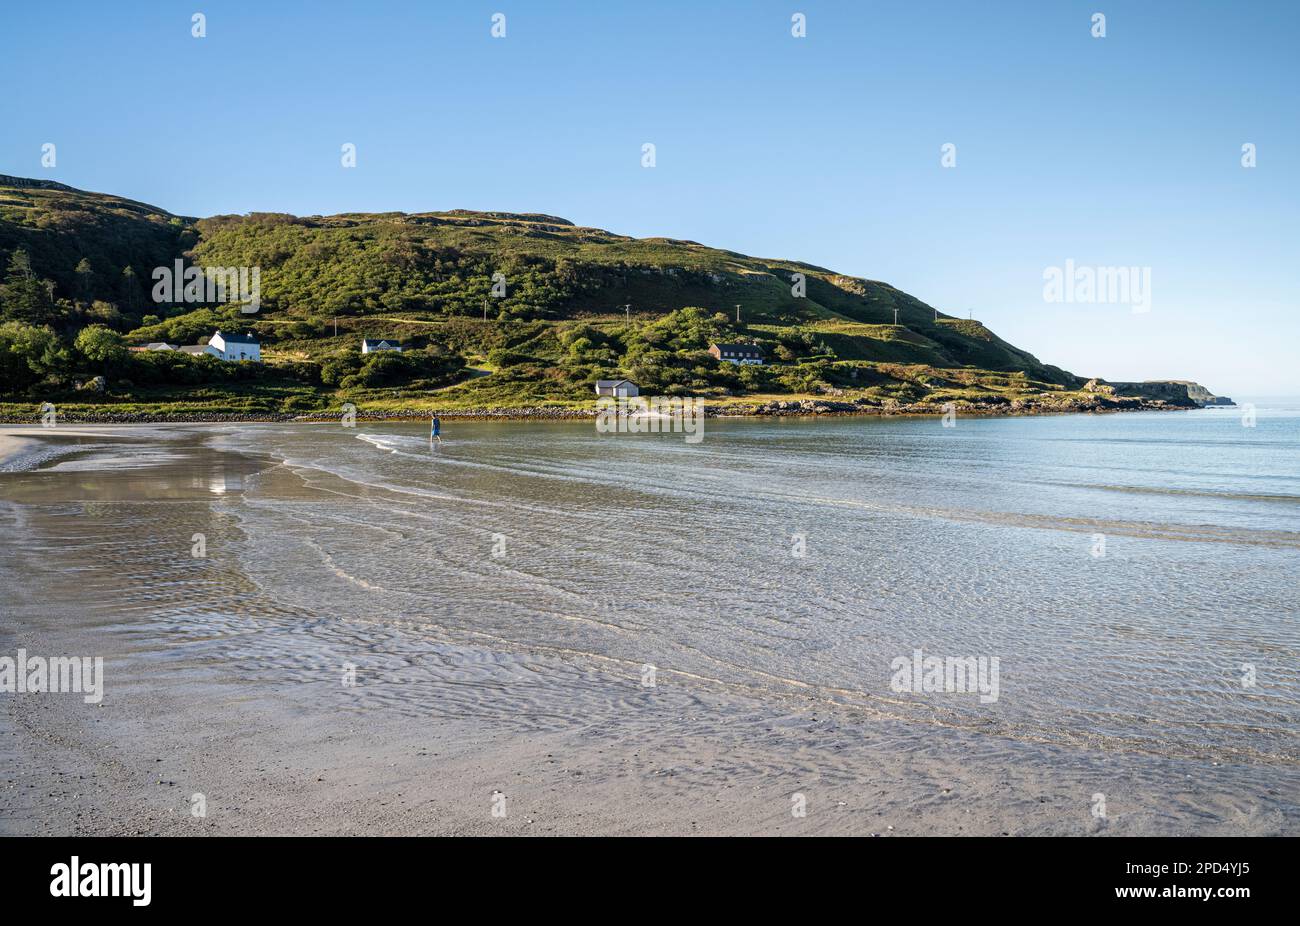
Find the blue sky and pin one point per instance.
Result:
(1115, 151)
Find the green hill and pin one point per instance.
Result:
(59, 226)
(79, 275)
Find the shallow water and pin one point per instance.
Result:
(1126, 570)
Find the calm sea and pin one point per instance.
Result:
(1134, 575)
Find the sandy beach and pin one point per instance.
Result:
(245, 709)
(18, 446)
(25, 446)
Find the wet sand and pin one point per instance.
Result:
(24, 447)
(251, 713)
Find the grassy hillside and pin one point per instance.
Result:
(59, 227)
(555, 323)
(441, 265)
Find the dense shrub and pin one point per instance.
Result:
(391, 368)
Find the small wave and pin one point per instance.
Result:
(1196, 493)
(394, 445)
(1194, 533)
(345, 576)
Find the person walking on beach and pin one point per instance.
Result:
(435, 430)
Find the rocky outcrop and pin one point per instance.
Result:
(1098, 386)
(1182, 392)
(32, 184)
(1046, 403)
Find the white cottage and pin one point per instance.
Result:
(622, 388)
(743, 354)
(369, 345)
(234, 347)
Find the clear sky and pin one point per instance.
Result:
(1116, 151)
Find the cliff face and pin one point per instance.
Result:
(1173, 391)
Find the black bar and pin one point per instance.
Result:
(331, 876)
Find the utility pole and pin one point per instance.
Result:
(485, 308)
(895, 316)
(737, 313)
(336, 326)
(627, 311)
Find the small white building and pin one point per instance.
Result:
(369, 346)
(621, 388)
(234, 347)
(153, 345)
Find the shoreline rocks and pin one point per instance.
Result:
(992, 406)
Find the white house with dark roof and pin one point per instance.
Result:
(234, 347)
(738, 353)
(622, 388)
(370, 345)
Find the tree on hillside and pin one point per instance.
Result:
(101, 346)
(104, 312)
(20, 264)
(26, 354)
(85, 280)
(23, 297)
(130, 289)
